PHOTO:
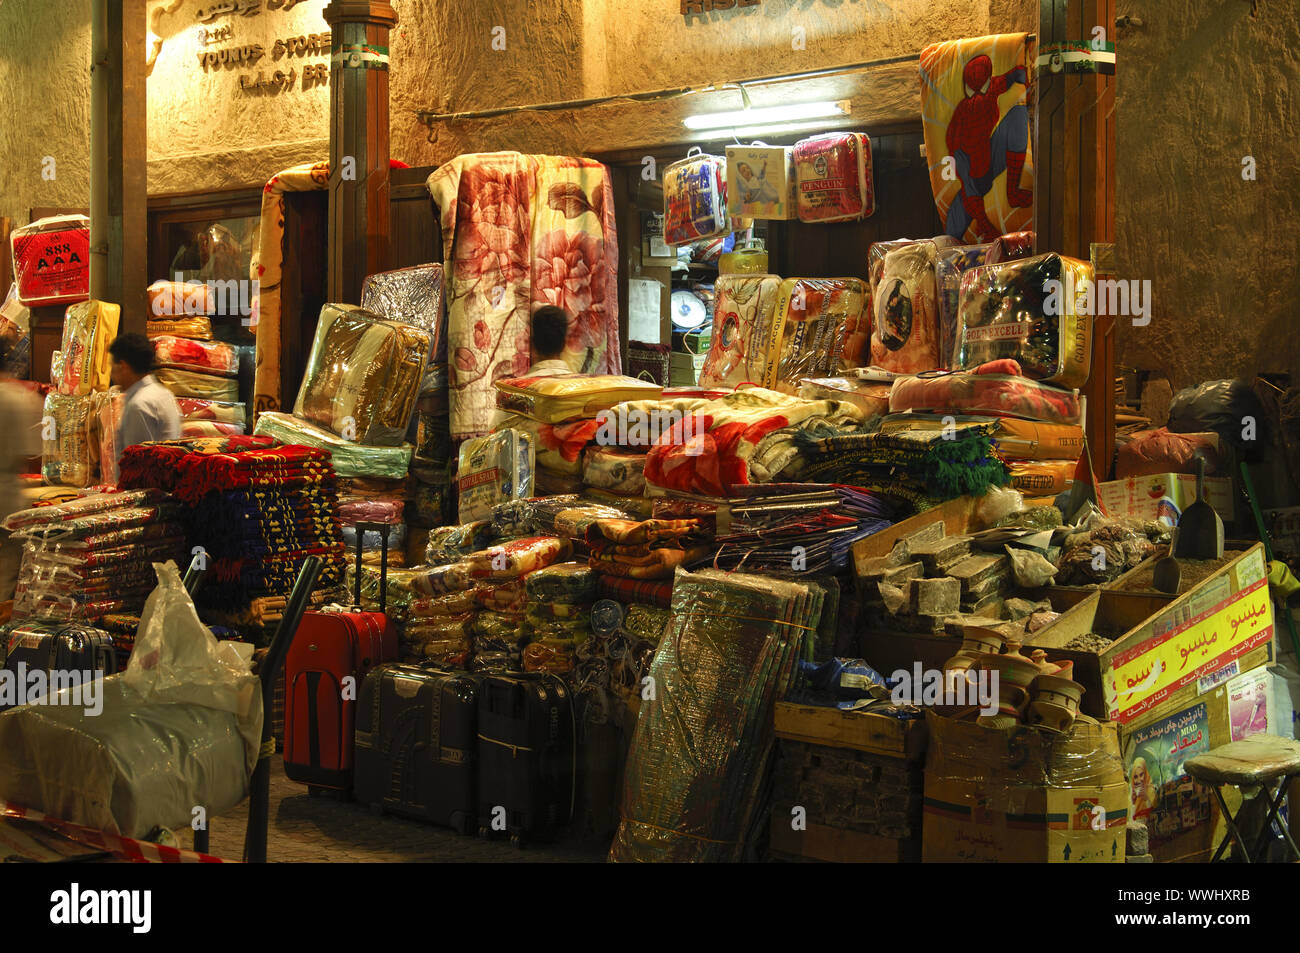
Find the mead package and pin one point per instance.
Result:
(1023, 795)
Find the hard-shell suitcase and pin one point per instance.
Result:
(416, 741)
(331, 654)
(58, 649)
(526, 768)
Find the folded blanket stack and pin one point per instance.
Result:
(79, 421)
(557, 617)
(203, 370)
(648, 549)
(255, 511)
(91, 556)
(1039, 428)
(693, 789)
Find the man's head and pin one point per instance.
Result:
(132, 358)
(550, 329)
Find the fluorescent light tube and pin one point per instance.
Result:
(765, 116)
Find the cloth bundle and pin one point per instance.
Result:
(695, 772)
(413, 296)
(202, 357)
(869, 397)
(744, 325)
(363, 376)
(88, 329)
(905, 336)
(813, 319)
(743, 438)
(350, 459)
(644, 549)
(1035, 311)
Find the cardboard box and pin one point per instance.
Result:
(862, 731)
(1163, 496)
(1023, 796)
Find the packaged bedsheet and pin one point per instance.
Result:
(695, 198)
(494, 469)
(905, 335)
(51, 259)
(363, 375)
(835, 177)
(1035, 311)
(812, 318)
(88, 329)
(744, 323)
(350, 460)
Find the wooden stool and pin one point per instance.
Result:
(1257, 761)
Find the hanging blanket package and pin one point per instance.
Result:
(1029, 311)
(835, 177)
(744, 322)
(813, 315)
(412, 296)
(363, 375)
(695, 198)
(761, 182)
(570, 396)
(88, 330)
(905, 336)
(51, 259)
(492, 470)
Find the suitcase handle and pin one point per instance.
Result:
(383, 529)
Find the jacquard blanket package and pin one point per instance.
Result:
(695, 198)
(905, 336)
(834, 177)
(494, 469)
(1036, 311)
(558, 447)
(812, 317)
(88, 329)
(949, 267)
(412, 296)
(564, 397)
(363, 375)
(744, 323)
(51, 260)
(205, 357)
(761, 182)
(196, 384)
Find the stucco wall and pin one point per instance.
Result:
(1202, 85)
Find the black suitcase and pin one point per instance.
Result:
(415, 743)
(526, 769)
(63, 647)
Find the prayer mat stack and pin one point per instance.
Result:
(256, 511)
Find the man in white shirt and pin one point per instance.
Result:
(150, 411)
(550, 330)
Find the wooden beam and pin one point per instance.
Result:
(1074, 173)
(359, 144)
(119, 157)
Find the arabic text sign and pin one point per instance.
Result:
(1148, 673)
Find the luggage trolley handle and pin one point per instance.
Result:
(383, 529)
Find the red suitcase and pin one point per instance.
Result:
(328, 659)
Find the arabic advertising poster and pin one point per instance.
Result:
(1248, 704)
(1159, 789)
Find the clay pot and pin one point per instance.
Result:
(1012, 701)
(959, 662)
(1014, 670)
(1054, 690)
(998, 721)
(976, 641)
(1056, 717)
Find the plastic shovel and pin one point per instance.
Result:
(1200, 531)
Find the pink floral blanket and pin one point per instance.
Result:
(520, 232)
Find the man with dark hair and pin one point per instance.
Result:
(550, 330)
(150, 411)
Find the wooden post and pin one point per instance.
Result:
(359, 186)
(1074, 170)
(119, 183)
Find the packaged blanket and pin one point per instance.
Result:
(744, 324)
(869, 397)
(217, 411)
(558, 447)
(517, 557)
(363, 376)
(1010, 247)
(195, 328)
(196, 384)
(619, 471)
(206, 357)
(1034, 440)
(1035, 311)
(1150, 452)
(350, 459)
(993, 394)
(65, 452)
(51, 259)
(561, 583)
(949, 267)
(834, 177)
(106, 415)
(695, 198)
(175, 300)
(570, 396)
(493, 469)
(976, 118)
(1042, 477)
(449, 544)
(412, 296)
(88, 329)
(813, 316)
(761, 182)
(905, 336)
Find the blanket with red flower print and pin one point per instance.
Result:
(520, 232)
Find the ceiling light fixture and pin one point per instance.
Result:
(748, 119)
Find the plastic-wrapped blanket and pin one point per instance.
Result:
(695, 198)
(350, 459)
(517, 557)
(871, 398)
(1029, 311)
(813, 316)
(217, 411)
(693, 786)
(905, 336)
(761, 182)
(66, 454)
(558, 447)
(996, 393)
(205, 357)
(949, 267)
(106, 415)
(88, 330)
(564, 397)
(835, 177)
(619, 471)
(492, 470)
(195, 384)
(363, 376)
(177, 300)
(413, 296)
(195, 328)
(51, 259)
(744, 325)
